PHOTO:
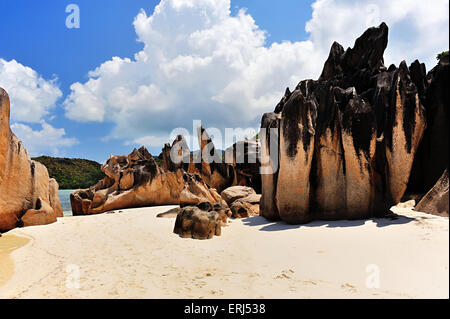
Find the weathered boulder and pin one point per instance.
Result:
(193, 222)
(346, 141)
(246, 207)
(137, 181)
(436, 200)
(42, 214)
(231, 194)
(243, 201)
(24, 184)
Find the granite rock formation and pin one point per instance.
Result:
(436, 200)
(432, 155)
(347, 141)
(137, 181)
(27, 195)
(206, 163)
(238, 166)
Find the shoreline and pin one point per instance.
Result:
(8, 244)
(135, 255)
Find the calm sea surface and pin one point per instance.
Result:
(64, 198)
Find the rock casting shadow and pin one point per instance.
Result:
(388, 220)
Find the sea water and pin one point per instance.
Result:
(64, 198)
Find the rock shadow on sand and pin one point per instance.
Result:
(268, 225)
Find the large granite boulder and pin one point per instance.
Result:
(347, 141)
(25, 187)
(436, 200)
(137, 181)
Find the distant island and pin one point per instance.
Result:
(72, 173)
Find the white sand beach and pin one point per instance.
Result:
(133, 254)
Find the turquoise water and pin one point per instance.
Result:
(64, 198)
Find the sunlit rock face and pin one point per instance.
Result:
(137, 181)
(347, 141)
(27, 195)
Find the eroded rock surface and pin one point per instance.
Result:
(137, 181)
(347, 141)
(27, 195)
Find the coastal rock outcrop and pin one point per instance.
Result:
(137, 181)
(432, 155)
(347, 141)
(27, 195)
(436, 201)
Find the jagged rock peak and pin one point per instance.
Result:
(367, 53)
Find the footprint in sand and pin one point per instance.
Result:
(349, 287)
(216, 292)
(285, 274)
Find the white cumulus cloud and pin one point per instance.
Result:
(32, 97)
(48, 140)
(201, 62)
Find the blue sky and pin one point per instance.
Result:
(34, 34)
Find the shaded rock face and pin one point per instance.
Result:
(436, 200)
(432, 155)
(25, 187)
(137, 181)
(346, 141)
(270, 131)
(245, 160)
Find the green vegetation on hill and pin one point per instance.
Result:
(442, 55)
(72, 173)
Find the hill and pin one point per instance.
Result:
(72, 173)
